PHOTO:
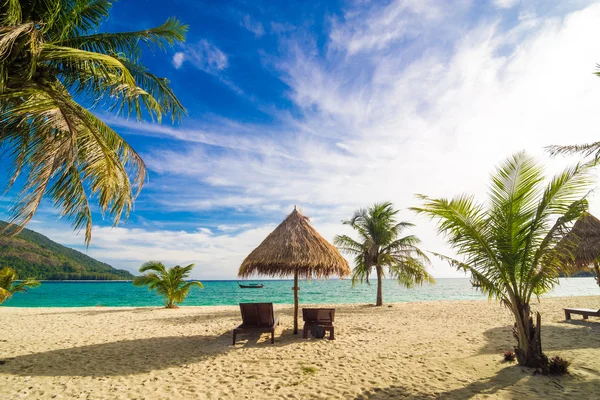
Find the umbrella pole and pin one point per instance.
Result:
(296, 301)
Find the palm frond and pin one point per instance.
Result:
(79, 17)
(585, 150)
(156, 266)
(11, 12)
(348, 245)
(8, 285)
(167, 34)
(510, 247)
(50, 53)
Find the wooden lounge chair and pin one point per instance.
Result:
(257, 317)
(585, 312)
(319, 316)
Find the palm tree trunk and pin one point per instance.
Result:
(379, 283)
(597, 270)
(529, 341)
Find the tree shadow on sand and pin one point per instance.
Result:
(506, 377)
(580, 334)
(135, 356)
(539, 387)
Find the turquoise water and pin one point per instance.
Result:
(114, 294)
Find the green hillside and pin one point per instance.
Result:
(34, 255)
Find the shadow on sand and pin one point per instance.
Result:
(138, 355)
(581, 334)
(506, 377)
(541, 387)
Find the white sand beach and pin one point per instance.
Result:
(441, 349)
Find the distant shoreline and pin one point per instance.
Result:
(237, 280)
(82, 280)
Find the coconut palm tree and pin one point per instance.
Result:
(8, 285)
(508, 244)
(54, 67)
(380, 246)
(169, 283)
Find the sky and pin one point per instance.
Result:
(334, 106)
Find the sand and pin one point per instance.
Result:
(441, 349)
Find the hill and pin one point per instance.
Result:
(34, 255)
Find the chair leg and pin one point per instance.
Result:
(305, 333)
(273, 336)
(331, 334)
(585, 317)
(234, 332)
(567, 315)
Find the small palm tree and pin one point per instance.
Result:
(8, 287)
(509, 243)
(169, 283)
(55, 66)
(381, 245)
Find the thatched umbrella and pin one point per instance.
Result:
(581, 246)
(295, 248)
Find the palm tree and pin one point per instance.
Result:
(508, 243)
(169, 283)
(381, 245)
(8, 287)
(54, 67)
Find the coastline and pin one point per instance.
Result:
(217, 293)
(435, 349)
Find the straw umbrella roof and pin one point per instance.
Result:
(581, 246)
(295, 245)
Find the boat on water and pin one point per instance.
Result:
(251, 286)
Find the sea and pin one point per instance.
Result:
(124, 294)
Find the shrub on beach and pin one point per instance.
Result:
(509, 356)
(558, 366)
(170, 283)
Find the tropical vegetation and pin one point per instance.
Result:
(508, 244)
(32, 254)
(382, 246)
(9, 284)
(56, 65)
(168, 282)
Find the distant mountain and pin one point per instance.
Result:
(580, 274)
(34, 255)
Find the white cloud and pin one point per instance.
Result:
(375, 27)
(203, 55)
(281, 27)
(505, 3)
(178, 59)
(253, 26)
(437, 124)
(215, 256)
(382, 127)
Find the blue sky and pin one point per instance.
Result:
(335, 105)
